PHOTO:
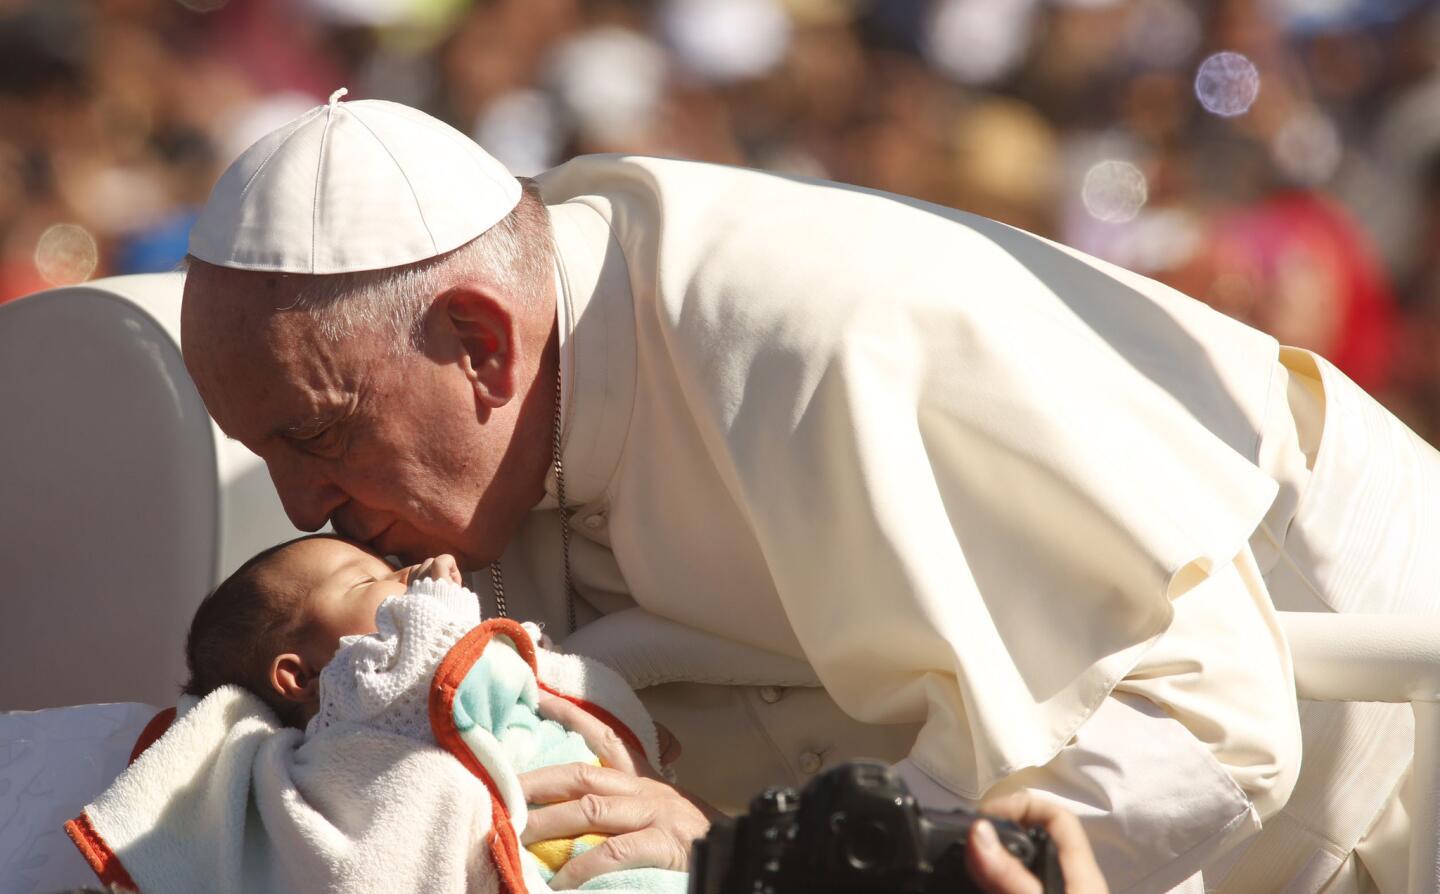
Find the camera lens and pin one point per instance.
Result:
(869, 846)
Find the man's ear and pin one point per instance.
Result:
(486, 330)
(294, 679)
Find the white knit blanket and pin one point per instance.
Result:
(382, 681)
(229, 801)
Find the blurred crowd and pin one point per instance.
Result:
(1279, 159)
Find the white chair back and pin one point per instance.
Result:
(121, 504)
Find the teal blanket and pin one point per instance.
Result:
(486, 696)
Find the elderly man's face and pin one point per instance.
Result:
(389, 446)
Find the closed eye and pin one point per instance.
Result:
(322, 441)
(327, 436)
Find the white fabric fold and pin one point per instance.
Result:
(957, 470)
(230, 801)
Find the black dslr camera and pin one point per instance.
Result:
(853, 830)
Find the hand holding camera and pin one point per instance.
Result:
(995, 871)
(857, 829)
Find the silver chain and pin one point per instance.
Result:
(497, 578)
(497, 586)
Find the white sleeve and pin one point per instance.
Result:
(1191, 751)
(1155, 804)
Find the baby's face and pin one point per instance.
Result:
(344, 585)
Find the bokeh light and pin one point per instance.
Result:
(66, 254)
(979, 41)
(726, 40)
(610, 81)
(1227, 84)
(521, 129)
(1114, 191)
(1307, 147)
(1163, 33)
(1162, 239)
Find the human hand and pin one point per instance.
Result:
(441, 567)
(650, 823)
(997, 872)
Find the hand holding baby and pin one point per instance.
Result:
(650, 823)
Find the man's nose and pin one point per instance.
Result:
(308, 498)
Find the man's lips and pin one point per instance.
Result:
(371, 539)
(375, 541)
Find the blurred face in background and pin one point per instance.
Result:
(1297, 267)
(1293, 293)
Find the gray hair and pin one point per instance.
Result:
(516, 254)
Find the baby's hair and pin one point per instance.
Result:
(237, 629)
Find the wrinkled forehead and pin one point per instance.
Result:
(254, 361)
(223, 307)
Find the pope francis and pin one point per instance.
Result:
(827, 473)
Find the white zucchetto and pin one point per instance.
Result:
(352, 186)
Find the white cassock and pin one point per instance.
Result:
(856, 475)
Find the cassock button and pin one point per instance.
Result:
(771, 694)
(594, 522)
(810, 762)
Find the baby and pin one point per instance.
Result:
(274, 624)
(306, 626)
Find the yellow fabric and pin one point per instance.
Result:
(556, 852)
